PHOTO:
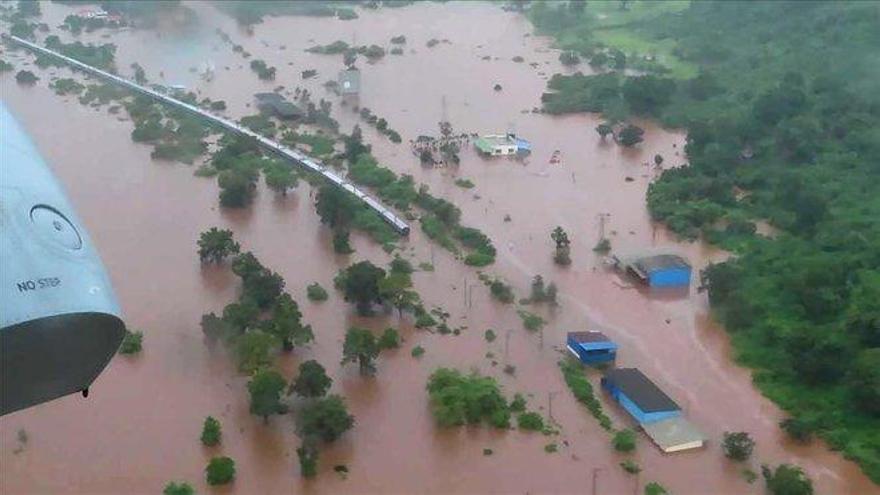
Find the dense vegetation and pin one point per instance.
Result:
(782, 117)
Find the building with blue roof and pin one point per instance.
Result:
(591, 347)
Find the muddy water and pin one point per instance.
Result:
(140, 427)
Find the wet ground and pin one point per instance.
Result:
(140, 426)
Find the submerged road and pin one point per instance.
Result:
(293, 155)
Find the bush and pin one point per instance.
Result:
(417, 351)
(132, 342)
(220, 471)
(654, 488)
(518, 404)
(577, 382)
(390, 339)
(501, 291)
(631, 466)
(531, 321)
(551, 448)
(182, 488)
(530, 421)
(787, 480)
(211, 432)
(624, 440)
(316, 293)
(798, 429)
(737, 445)
(490, 335)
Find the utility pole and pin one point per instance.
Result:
(507, 344)
(602, 218)
(595, 479)
(550, 396)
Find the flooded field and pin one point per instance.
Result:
(140, 427)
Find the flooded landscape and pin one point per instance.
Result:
(140, 426)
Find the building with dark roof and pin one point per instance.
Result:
(275, 104)
(639, 396)
(662, 270)
(591, 347)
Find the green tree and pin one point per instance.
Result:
(631, 135)
(280, 178)
(394, 289)
(265, 388)
(28, 8)
(324, 419)
(647, 95)
(604, 129)
(787, 479)
(286, 324)
(335, 206)
(342, 242)
(215, 245)
(569, 57)
(237, 189)
(312, 380)
(211, 432)
(530, 421)
(737, 445)
(220, 471)
(360, 346)
(865, 381)
(241, 315)
(181, 488)
(360, 285)
(215, 328)
(538, 293)
(252, 350)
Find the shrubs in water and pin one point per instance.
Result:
(577, 382)
(26, 77)
(737, 445)
(211, 432)
(220, 471)
(458, 399)
(490, 335)
(316, 293)
(390, 339)
(631, 466)
(215, 245)
(132, 342)
(624, 440)
(417, 351)
(530, 421)
(263, 71)
(531, 321)
(175, 488)
(787, 479)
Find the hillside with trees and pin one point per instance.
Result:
(783, 121)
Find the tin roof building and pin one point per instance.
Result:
(639, 396)
(591, 347)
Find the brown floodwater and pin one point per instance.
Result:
(140, 426)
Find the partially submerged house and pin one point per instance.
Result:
(275, 104)
(639, 396)
(502, 145)
(349, 82)
(659, 270)
(591, 347)
(674, 434)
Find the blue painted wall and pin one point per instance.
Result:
(593, 352)
(669, 277)
(629, 406)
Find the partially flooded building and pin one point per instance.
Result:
(275, 104)
(591, 347)
(502, 145)
(349, 82)
(658, 270)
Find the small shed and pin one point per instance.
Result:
(674, 435)
(591, 347)
(639, 396)
(350, 82)
(662, 270)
